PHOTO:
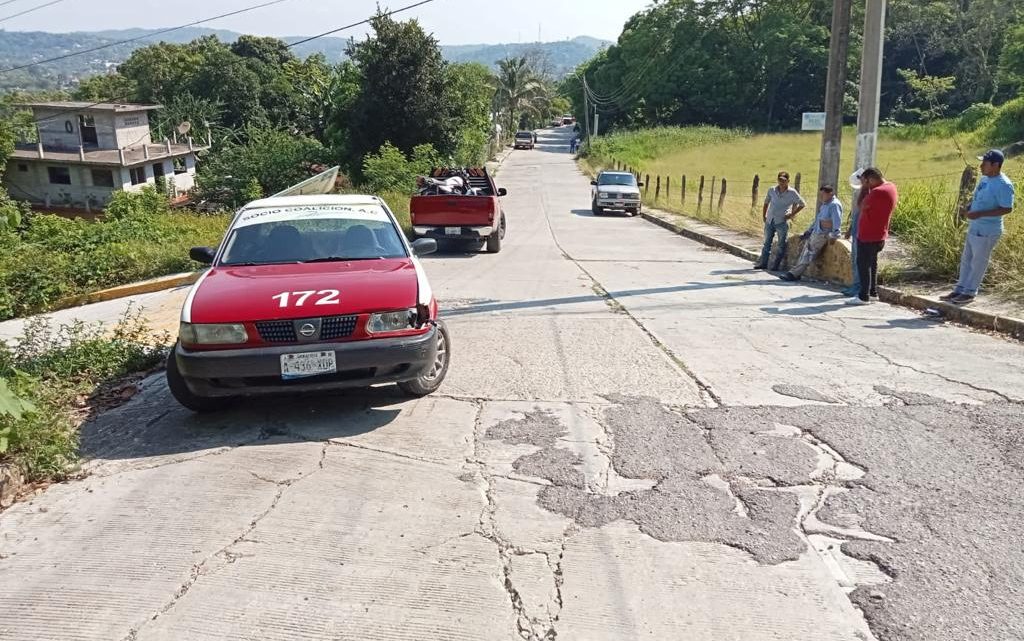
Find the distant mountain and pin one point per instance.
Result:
(23, 47)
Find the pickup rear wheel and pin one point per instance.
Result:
(494, 240)
(429, 382)
(597, 211)
(181, 393)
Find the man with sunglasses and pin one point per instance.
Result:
(781, 205)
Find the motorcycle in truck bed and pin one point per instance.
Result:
(459, 204)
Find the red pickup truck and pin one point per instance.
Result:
(477, 217)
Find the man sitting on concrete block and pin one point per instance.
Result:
(823, 231)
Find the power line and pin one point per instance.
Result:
(361, 22)
(7, 2)
(42, 6)
(142, 37)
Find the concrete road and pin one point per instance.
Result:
(639, 438)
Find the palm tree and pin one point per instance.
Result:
(518, 90)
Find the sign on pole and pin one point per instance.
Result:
(813, 121)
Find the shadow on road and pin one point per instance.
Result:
(811, 310)
(153, 424)
(908, 323)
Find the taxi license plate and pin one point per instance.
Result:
(453, 231)
(307, 364)
(619, 203)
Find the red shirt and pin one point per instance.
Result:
(876, 212)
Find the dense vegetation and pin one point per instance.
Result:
(760, 63)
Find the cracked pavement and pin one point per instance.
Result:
(638, 438)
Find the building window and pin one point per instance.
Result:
(59, 175)
(179, 166)
(87, 129)
(22, 167)
(131, 121)
(138, 175)
(158, 170)
(102, 178)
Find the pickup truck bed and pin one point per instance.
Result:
(459, 217)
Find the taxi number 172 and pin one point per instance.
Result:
(299, 299)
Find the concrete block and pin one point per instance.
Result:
(832, 265)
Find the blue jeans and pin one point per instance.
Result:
(854, 287)
(974, 262)
(773, 230)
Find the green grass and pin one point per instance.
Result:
(54, 369)
(52, 258)
(925, 162)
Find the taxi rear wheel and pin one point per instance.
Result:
(181, 393)
(431, 381)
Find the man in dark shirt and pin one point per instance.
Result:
(872, 231)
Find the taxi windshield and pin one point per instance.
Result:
(312, 234)
(626, 180)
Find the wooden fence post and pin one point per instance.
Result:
(721, 196)
(668, 188)
(711, 193)
(657, 189)
(647, 184)
(797, 184)
(700, 194)
(967, 182)
(683, 196)
(755, 192)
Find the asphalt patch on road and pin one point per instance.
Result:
(803, 393)
(945, 482)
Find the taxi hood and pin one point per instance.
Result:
(229, 294)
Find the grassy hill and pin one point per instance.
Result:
(22, 47)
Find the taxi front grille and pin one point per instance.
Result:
(332, 328)
(277, 331)
(338, 327)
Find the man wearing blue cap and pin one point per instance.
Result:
(993, 199)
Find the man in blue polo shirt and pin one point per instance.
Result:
(993, 199)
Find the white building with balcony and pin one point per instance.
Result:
(85, 152)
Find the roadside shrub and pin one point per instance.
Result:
(1006, 125)
(976, 115)
(52, 369)
(53, 257)
(389, 170)
(635, 147)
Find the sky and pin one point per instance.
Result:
(451, 21)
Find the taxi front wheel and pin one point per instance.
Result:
(431, 381)
(181, 393)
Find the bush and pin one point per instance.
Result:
(975, 115)
(389, 170)
(49, 370)
(1006, 125)
(52, 258)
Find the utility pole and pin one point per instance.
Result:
(832, 137)
(870, 83)
(597, 118)
(586, 109)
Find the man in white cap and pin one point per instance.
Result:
(993, 199)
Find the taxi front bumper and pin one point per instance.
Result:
(257, 371)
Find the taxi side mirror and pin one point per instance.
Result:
(502, 192)
(593, 182)
(639, 184)
(424, 246)
(204, 255)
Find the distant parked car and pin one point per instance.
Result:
(616, 190)
(525, 140)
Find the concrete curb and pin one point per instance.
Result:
(1013, 327)
(12, 482)
(131, 289)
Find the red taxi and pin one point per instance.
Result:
(309, 293)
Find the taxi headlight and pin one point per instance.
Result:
(604, 194)
(210, 334)
(391, 321)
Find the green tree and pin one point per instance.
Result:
(275, 159)
(403, 96)
(110, 87)
(1011, 64)
(471, 96)
(519, 91)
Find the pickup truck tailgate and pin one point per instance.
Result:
(467, 211)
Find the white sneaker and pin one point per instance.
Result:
(857, 301)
